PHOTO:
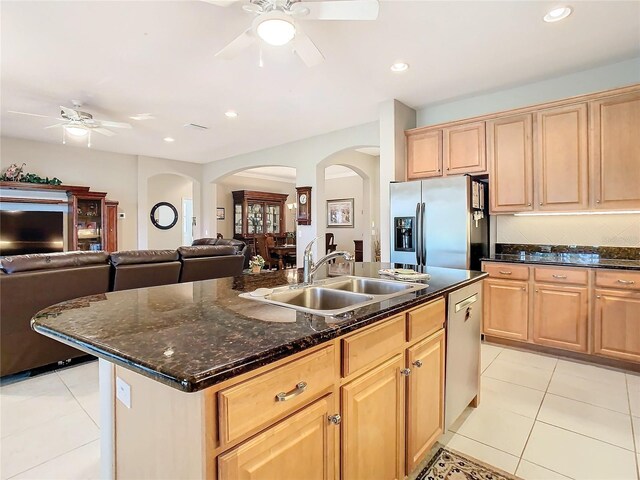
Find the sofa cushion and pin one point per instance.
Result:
(239, 244)
(44, 261)
(207, 251)
(129, 257)
(205, 241)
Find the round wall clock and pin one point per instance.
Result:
(303, 199)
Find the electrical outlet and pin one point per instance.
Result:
(123, 392)
(121, 215)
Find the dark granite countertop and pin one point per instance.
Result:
(566, 260)
(194, 335)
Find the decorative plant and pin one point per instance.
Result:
(256, 262)
(13, 173)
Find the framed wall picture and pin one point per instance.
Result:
(340, 213)
(220, 213)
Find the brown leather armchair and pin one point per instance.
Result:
(29, 283)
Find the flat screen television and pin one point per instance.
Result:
(23, 232)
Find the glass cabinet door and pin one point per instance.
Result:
(237, 219)
(255, 218)
(89, 224)
(273, 218)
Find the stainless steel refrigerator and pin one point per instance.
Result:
(439, 222)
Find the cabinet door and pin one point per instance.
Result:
(506, 309)
(424, 155)
(615, 151)
(510, 150)
(425, 397)
(464, 148)
(560, 317)
(301, 446)
(111, 241)
(373, 424)
(617, 324)
(561, 161)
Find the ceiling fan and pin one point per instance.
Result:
(277, 23)
(78, 123)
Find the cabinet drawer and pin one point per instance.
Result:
(254, 403)
(561, 275)
(618, 279)
(362, 349)
(508, 271)
(425, 320)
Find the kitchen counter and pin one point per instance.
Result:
(191, 336)
(566, 260)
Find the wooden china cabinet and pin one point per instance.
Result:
(91, 228)
(258, 213)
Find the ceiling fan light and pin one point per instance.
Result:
(276, 31)
(76, 130)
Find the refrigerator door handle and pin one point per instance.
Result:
(423, 234)
(418, 235)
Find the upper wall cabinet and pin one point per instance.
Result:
(424, 155)
(509, 148)
(615, 152)
(561, 162)
(464, 149)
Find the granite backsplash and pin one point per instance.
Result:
(617, 253)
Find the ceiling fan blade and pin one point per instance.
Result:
(221, 3)
(307, 50)
(108, 123)
(55, 126)
(103, 131)
(71, 113)
(244, 40)
(30, 114)
(339, 10)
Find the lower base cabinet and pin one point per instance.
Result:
(373, 424)
(617, 324)
(561, 317)
(506, 308)
(302, 446)
(425, 397)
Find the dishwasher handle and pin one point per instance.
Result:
(466, 302)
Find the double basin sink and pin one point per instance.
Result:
(334, 296)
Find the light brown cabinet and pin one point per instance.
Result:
(425, 397)
(561, 161)
(464, 149)
(506, 308)
(615, 151)
(302, 446)
(509, 148)
(560, 316)
(424, 155)
(617, 324)
(373, 423)
(111, 242)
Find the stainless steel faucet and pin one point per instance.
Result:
(311, 267)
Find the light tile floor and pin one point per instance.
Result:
(540, 417)
(545, 418)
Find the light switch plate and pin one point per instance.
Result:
(123, 392)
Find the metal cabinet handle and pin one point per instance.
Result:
(598, 296)
(417, 363)
(626, 282)
(597, 201)
(528, 204)
(524, 289)
(559, 276)
(405, 372)
(540, 203)
(284, 396)
(502, 272)
(335, 419)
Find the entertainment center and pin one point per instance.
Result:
(33, 219)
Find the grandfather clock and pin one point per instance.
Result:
(303, 212)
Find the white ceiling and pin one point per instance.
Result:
(288, 174)
(131, 57)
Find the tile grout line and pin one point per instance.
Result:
(78, 401)
(586, 436)
(636, 447)
(536, 417)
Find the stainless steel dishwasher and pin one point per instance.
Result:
(462, 375)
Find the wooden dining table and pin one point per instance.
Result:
(281, 251)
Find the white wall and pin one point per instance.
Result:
(347, 187)
(167, 187)
(237, 182)
(113, 173)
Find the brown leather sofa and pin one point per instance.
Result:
(29, 283)
(242, 248)
(144, 268)
(205, 262)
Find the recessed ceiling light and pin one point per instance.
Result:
(231, 114)
(557, 14)
(169, 139)
(399, 67)
(142, 116)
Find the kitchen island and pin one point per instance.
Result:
(197, 382)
